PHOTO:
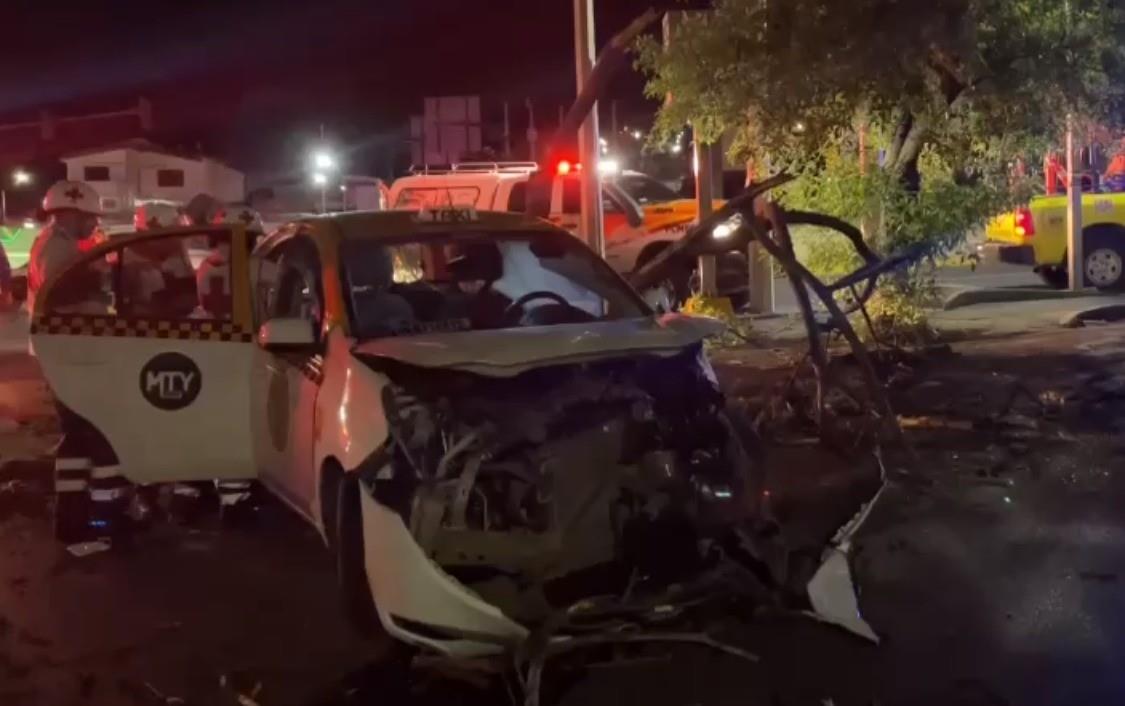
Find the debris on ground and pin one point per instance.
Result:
(82, 549)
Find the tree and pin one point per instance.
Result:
(955, 88)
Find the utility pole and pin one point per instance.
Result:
(1074, 255)
(705, 199)
(590, 225)
(532, 133)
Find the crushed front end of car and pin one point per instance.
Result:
(549, 504)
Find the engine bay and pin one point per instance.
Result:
(568, 481)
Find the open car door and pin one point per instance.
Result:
(146, 343)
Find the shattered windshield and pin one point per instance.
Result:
(472, 281)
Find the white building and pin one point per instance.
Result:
(138, 170)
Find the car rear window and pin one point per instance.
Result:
(416, 198)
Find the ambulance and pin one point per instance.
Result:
(641, 216)
(483, 421)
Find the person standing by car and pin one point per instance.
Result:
(73, 213)
(212, 281)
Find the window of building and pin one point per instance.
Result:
(169, 177)
(95, 172)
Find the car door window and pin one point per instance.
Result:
(167, 278)
(297, 291)
(85, 289)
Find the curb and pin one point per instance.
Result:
(968, 297)
(1108, 312)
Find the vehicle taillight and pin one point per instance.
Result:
(1025, 225)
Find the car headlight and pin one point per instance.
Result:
(727, 228)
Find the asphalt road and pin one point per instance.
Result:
(993, 572)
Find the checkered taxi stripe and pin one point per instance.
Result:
(189, 329)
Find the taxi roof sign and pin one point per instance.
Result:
(451, 214)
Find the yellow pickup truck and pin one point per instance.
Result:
(1036, 235)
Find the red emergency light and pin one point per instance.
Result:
(565, 167)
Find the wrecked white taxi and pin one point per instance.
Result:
(486, 424)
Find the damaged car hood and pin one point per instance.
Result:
(506, 352)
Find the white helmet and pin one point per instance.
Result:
(155, 214)
(72, 196)
(247, 217)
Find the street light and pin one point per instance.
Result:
(323, 161)
(19, 178)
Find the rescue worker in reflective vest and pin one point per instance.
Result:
(73, 210)
(85, 465)
(158, 279)
(235, 496)
(213, 276)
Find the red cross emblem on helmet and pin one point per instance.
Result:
(73, 194)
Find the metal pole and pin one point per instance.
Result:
(590, 225)
(532, 133)
(3, 207)
(507, 134)
(1074, 254)
(704, 199)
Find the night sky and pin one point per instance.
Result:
(251, 80)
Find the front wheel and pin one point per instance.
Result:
(351, 562)
(1103, 259)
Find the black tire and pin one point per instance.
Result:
(1054, 276)
(351, 570)
(72, 517)
(1103, 253)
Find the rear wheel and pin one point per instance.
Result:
(1103, 257)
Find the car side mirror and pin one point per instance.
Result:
(287, 334)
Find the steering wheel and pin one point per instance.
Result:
(532, 296)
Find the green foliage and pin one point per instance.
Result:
(966, 72)
(898, 314)
(737, 331)
(946, 93)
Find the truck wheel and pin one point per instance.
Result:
(1054, 276)
(1103, 258)
(72, 517)
(351, 571)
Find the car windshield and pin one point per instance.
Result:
(470, 281)
(644, 189)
